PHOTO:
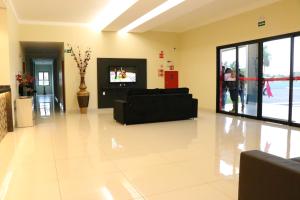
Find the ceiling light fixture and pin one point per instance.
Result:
(112, 11)
(151, 14)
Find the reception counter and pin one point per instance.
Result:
(6, 118)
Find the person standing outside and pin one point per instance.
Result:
(230, 77)
(242, 89)
(224, 88)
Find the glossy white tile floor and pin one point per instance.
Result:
(91, 157)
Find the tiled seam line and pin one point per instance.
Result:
(228, 195)
(121, 171)
(176, 189)
(57, 178)
(191, 187)
(12, 160)
(168, 162)
(89, 155)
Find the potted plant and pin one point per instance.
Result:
(82, 60)
(25, 84)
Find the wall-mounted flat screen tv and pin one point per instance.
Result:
(122, 74)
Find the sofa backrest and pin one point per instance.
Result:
(159, 107)
(296, 159)
(175, 91)
(265, 176)
(133, 92)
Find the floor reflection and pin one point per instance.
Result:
(44, 106)
(235, 135)
(273, 140)
(91, 156)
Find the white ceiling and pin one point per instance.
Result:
(190, 14)
(211, 12)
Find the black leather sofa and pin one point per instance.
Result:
(155, 105)
(267, 177)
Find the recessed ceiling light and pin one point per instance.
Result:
(112, 11)
(153, 13)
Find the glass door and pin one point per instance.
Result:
(296, 82)
(276, 79)
(261, 79)
(227, 80)
(248, 79)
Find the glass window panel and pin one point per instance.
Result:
(46, 82)
(41, 77)
(248, 79)
(276, 73)
(46, 76)
(296, 83)
(227, 79)
(41, 82)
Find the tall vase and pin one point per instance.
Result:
(83, 95)
(21, 90)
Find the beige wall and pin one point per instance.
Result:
(195, 56)
(198, 47)
(105, 45)
(10, 52)
(4, 49)
(15, 52)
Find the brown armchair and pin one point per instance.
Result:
(267, 177)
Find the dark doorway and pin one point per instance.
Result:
(45, 61)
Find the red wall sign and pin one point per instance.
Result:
(161, 54)
(160, 72)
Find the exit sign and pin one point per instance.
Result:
(261, 23)
(68, 51)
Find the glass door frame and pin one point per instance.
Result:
(236, 46)
(260, 43)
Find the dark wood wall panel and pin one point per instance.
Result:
(6, 118)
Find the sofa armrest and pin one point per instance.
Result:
(119, 111)
(296, 159)
(195, 108)
(267, 177)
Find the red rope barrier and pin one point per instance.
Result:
(297, 78)
(266, 80)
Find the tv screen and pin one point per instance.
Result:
(122, 74)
